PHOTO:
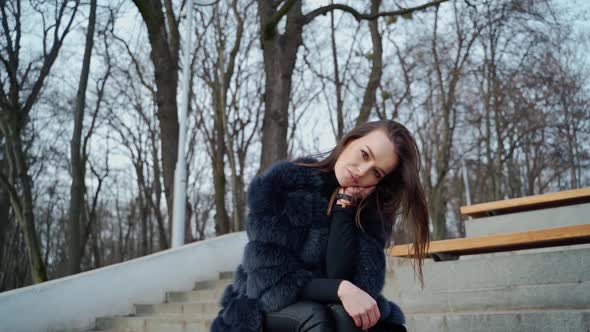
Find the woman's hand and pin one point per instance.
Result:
(357, 193)
(359, 305)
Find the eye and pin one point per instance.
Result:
(366, 156)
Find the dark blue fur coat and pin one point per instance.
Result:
(287, 228)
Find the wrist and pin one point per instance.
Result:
(342, 288)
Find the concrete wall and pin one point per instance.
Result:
(530, 220)
(73, 303)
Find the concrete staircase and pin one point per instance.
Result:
(182, 311)
(530, 290)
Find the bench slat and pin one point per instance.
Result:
(550, 237)
(548, 200)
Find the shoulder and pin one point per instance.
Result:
(287, 175)
(281, 178)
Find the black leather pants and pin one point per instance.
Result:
(307, 316)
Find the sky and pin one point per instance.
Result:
(314, 131)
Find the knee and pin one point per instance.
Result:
(342, 320)
(319, 318)
(304, 316)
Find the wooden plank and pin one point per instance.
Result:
(550, 237)
(554, 199)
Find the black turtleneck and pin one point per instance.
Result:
(342, 245)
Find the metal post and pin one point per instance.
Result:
(180, 172)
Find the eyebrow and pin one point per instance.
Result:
(372, 155)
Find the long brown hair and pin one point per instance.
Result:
(399, 196)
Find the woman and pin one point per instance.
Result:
(317, 230)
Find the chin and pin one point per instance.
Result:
(339, 177)
(343, 179)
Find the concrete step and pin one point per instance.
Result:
(209, 284)
(226, 275)
(554, 296)
(528, 220)
(185, 309)
(195, 296)
(502, 321)
(567, 266)
(170, 323)
(466, 321)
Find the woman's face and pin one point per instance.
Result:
(366, 160)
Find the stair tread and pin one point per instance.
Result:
(163, 316)
(180, 303)
(496, 312)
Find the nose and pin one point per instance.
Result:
(361, 170)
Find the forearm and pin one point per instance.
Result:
(323, 290)
(342, 244)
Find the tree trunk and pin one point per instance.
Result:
(280, 54)
(438, 209)
(164, 55)
(78, 164)
(222, 225)
(155, 202)
(96, 242)
(23, 206)
(337, 82)
(143, 208)
(4, 215)
(240, 203)
(369, 97)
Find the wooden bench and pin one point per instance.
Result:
(453, 248)
(568, 235)
(535, 202)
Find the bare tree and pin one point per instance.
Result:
(225, 78)
(162, 27)
(280, 54)
(78, 162)
(447, 70)
(376, 67)
(20, 89)
(131, 92)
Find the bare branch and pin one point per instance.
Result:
(360, 16)
(272, 23)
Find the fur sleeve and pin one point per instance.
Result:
(278, 205)
(370, 277)
(369, 273)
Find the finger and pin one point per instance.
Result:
(351, 190)
(372, 317)
(377, 313)
(358, 321)
(365, 319)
